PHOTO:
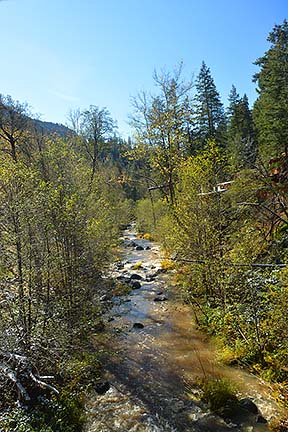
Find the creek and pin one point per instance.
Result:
(156, 356)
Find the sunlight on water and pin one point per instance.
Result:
(154, 370)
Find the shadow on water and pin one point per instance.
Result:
(153, 370)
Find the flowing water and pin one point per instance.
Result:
(154, 367)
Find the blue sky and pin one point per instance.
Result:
(63, 54)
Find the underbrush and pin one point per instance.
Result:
(218, 393)
(57, 413)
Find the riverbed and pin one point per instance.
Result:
(156, 356)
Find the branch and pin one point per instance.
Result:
(266, 208)
(11, 375)
(43, 384)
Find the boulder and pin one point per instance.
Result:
(261, 419)
(135, 285)
(139, 248)
(135, 276)
(102, 387)
(138, 325)
(147, 248)
(248, 405)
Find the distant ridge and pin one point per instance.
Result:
(52, 128)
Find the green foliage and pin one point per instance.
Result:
(242, 145)
(65, 414)
(80, 372)
(163, 126)
(146, 214)
(59, 226)
(270, 111)
(218, 393)
(209, 112)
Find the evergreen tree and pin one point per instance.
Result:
(242, 146)
(234, 99)
(271, 108)
(210, 118)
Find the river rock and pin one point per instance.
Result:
(131, 244)
(147, 248)
(123, 278)
(135, 284)
(160, 298)
(261, 419)
(158, 272)
(102, 387)
(135, 276)
(161, 270)
(139, 248)
(248, 405)
(138, 325)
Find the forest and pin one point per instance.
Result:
(207, 180)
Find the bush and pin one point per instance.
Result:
(218, 392)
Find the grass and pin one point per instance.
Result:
(218, 393)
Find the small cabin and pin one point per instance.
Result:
(219, 188)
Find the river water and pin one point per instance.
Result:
(156, 355)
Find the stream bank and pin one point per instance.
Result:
(156, 355)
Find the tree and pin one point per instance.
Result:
(271, 108)
(14, 122)
(209, 112)
(241, 146)
(162, 125)
(96, 127)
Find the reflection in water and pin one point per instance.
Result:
(153, 370)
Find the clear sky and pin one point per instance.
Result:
(62, 54)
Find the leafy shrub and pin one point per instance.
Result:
(167, 264)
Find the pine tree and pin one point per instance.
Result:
(242, 145)
(210, 118)
(271, 108)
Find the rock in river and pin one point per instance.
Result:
(135, 276)
(102, 387)
(138, 325)
(248, 405)
(135, 284)
(160, 298)
(138, 248)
